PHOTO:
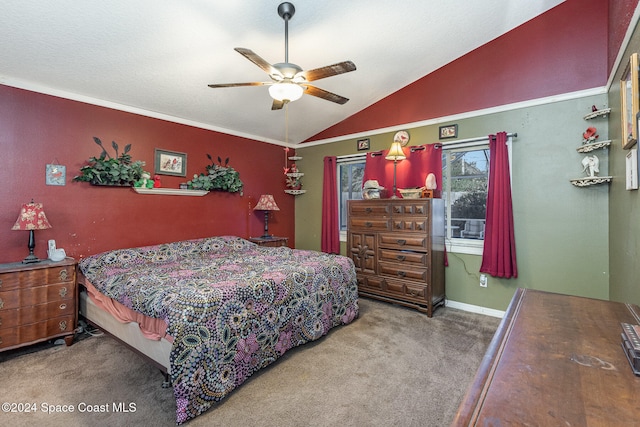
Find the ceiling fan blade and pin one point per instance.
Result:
(253, 57)
(328, 71)
(321, 93)
(239, 84)
(277, 105)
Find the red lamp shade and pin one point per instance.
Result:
(266, 203)
(31, 218)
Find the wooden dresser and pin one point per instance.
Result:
(556, 360)
(397, 246)
(37, 302)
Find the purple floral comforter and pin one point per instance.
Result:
(233, 307)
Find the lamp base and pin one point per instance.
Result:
(31, 259)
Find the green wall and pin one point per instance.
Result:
(624, 209)
(562, 233)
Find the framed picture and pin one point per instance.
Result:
(629, 102)
(632, 169)
(171, 163)
(363, 144)
(450, 131)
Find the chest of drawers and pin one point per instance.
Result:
(397, 246)
(37, 302)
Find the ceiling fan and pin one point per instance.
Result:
(289, 81)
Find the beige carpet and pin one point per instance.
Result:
(392, 367)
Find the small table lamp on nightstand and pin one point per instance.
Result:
(266, 204)
(31, 218)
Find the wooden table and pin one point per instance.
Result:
(556, 360)
(273, 241)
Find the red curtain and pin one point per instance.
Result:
(330, 236)
(411, 172)
(499, 254)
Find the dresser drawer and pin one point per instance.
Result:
(403, 257)
(369, 224)
(409, 224)
(400, 271)
(417, 208)
(36, 295)
(371, 283)
(35, 313)
(414, 242)
(367, 209)
(37, 331)
(37, 277)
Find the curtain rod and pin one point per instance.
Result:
(481, 138)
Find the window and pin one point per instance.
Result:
(465, 179)
(350, 173)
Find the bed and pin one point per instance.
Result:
(213, 311)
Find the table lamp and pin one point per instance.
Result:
(266, 204)
(31, 218)
(395, 154)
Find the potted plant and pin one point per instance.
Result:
(218, 177)
(107, 170)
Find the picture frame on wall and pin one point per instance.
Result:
(170, 163)
(629, 103)
(449, 131)
(632, 169)
(363, 144)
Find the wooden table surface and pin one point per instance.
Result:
(556, 360)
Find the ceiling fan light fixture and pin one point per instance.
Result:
(286, 91)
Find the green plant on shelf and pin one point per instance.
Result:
(120, 170)
(219, 177)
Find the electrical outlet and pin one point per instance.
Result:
(483, 280)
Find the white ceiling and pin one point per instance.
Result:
(156, 57)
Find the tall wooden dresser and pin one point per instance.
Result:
(397, 246)
(37, 302)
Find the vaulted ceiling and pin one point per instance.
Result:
(157, 58)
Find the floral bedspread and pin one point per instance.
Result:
(233, 307)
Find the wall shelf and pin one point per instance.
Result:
(588, 181)
(295, 192)
(597, 113)
(586, 148)
(169, 191)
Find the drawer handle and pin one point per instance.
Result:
(1, 303)
(401, 257)
(63, 292)
(63, 325)
(368, 210)
(63, 306)
(368, 224)
(401, 274)
(0, 321)
(402, 241)
(64, 276)
(0, 283)
(0, 340)
(413, 293)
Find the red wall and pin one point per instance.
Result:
(37, 129)
(562, 50)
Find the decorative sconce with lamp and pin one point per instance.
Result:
(396, 154)
(31, 218)
(266, 204)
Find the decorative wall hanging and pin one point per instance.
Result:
(112, 171)
(294, 176)
(450, 131)
(363, 144)
(629, 102)
(170, 163)
(55, 174)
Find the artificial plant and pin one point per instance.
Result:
(107, 170)
(218, 177)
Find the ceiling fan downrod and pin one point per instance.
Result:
(286, 11)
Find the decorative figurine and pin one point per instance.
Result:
(591, 163)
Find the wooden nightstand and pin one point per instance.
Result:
(37, 302)
(273, 241)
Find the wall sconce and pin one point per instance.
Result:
(266, 204)
(396, 154)
(31, 218)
